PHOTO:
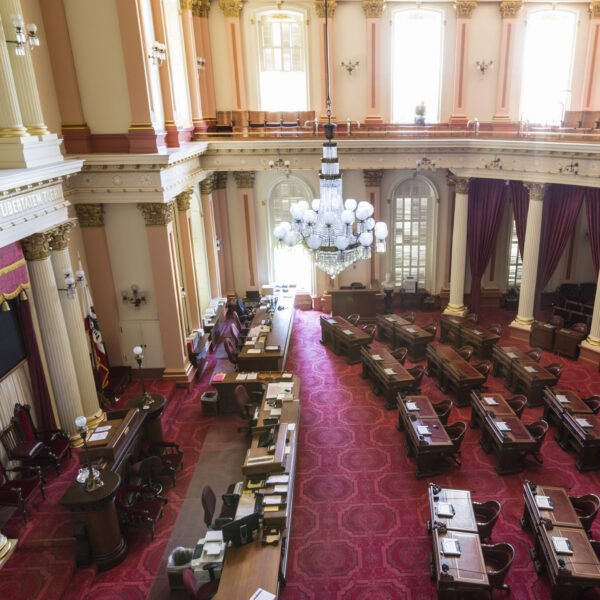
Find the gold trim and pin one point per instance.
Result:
(592, 341)
(38, 129)
(522, 321)
(13, 295)
(12, 267)
(456, 309)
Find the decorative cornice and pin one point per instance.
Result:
(200, 8)
(208, 185)
(36, 246)
(536, 190)
(594, 9)
(320, 8)
(372, 177)
(156, 213)
(464, 8)
(509, 9)
(90, 215)
(184, 200)
(373, 8)
(220, 180)
(186, 4)
(60, 236)
(231, 8)
(462, 185)
(244, 179)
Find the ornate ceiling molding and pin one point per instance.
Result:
(464, 8)
(509, 9)
(231, 8)
(373, 8)
(156, 214)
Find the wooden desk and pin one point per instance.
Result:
(563, 514)
(437, 357)
(450, 330)
(385, 326)
(152, 421)
(424, 410)
(378, 364)
(488, 403)
(345, 337)
(584, 440)
(458, 332)
(504, 358)
(542, 335)
(557, 402)
(464, 516)
(415, 338)
(566, 342)
(530, 379)
(354, 301)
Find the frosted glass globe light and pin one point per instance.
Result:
(350, 204)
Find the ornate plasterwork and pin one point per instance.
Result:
(208, 185)
(186, 4)
(200, 8)
(231, 8)
(536, 190)
(244, 179)
(156, 213)
(90, 215)
(184, 200)
(320, 8)
(220, 180)
(594, 9)
(60, 236)
(464, 8)
(372, 177)
(462, 185)
(36, 246)
(373, 8)
(509, 9)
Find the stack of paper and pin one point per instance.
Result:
(544, 502)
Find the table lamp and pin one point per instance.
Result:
(139, 357)
(92, 480)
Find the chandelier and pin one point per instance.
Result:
(338, 233)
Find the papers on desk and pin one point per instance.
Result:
(274, 348)
(390, 319)
(490, 401)
(286, 375)
(241, 377)
(212, 548)
(445, 509)
(251, 376)
(562, 399)
(270, 500)
(548, 325)
(563, 330)
(275, 412)
(249, 343)
(291, 426)
(423, 430)
(272, 479)
(103, 428)
(96, 437)
(348, 331)
(450, 547)
(257, 460)
(254, 351)
(218, 377)
(580, 422)
(281, 488)
(213, 536)
(331, 321)
(544, 502)
(261, 594)
(412, 406)
(502, 426)
(376, 357)
(477, 332)
(411, 329)
(389, 371)
(531, 369)
(278, 387)
(512, 355)
(562, 545)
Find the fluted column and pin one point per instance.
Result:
(206, 76)
(245, 184)
(78, 339)
(590, 347)
(464, 11)
(223, 232)
(590, 95)
(531, 252)
(190, 64)
(373, 11)
(11, 123)
(459, 248)
(320, 9)
(36, 249)
(509, 9)
(232, 10)
(210, 235)
(186, 244)
(372, 179)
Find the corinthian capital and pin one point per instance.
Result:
(200, 8)
(372, 177)
(220, 180)
(320, 8)
(186, 4)
(231, 8)
(509, 9)
(208, 185)
(536, 190)
(462, 185)
(373, 8)
(156, 213)
(184, 200)
(36, 246)
(595, 9)
(90, 215)
(464, 8)
(60, 236)
(244, 179)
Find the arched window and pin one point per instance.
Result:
(416, 64)
(282, 60)
(290, 265)
(547, 63)
(413, 232)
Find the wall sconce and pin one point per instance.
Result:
(22, 38)
(137, 298)
(425, 164)
(280, 164)
(494, 164)
(572, 169)
(71, 282)
(158, 53)
(200, 63)
(219, 244)
(351, 66)
(483, 66)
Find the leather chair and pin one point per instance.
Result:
(466, 352)
(555, 369)
(209, 504)
(431, 328)
(442, 410)
(484, 367)
(417, 373)
(593, 402)
(232, 353)
(148, 472)
(456, 433)
(586, 507)
(580, 327)
(170, 456)
(245, 405)
(207, 590)
(238, 323)
(486, 515)
(498, 559)
(495, 328)
(17, 492)
(518, 404)
(19, 449)
(400, 354)
(535, 354)
(409, 316)
(556, 320)
(139, 506)
(472, 318)
(236, 336)
(354, 318)
(538, 430)
(369, 330)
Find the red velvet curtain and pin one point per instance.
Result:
(562, 204)
(519, 196)
(592, 205)
(486, 205)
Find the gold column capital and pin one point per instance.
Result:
(450, 178)
(464, 8)
(208, 185)
(186, 4)
(36, 246)
(462, 185)
(231, 8)
(373, 8)
(184, 200)
(594, 9)
(60, 236)
(200, 8)
(244, 179)
(90, 215)
(220, 180)
(372, 177)
(156, 213)
(320, 8)
(536, 190)
(509, 9)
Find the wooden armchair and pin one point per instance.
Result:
(17, 492)
(369, 330)
(472, 318)
(555, 369)
(400, 354)
(586, 507)
(538, 430)
(431, 328)
(442, 410)
(456, 433)
(139, 506)
(498, 559)
(593, 402)
(169, 453)
(495, 328)
(484, 367)
(486, 514)
(535, 354)
(466, 352)
(354, 318)
(518, 404)
(417, 373)
(19, 449)
(409, 316)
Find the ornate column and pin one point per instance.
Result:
(11, 124)
(590, 94)
(372, 179)
(245, 184)
(210, 235)
(223, 233)
(206, 79)
(459, 249)
(509, 9)
(190, 64)
(373, 11)
(36, 249)
(186, 244)
(71, 309)
(320, 9)
(24, 75)
(163, 259)
(590, 348)
(464, 10)
(232, 10)
(531, 251)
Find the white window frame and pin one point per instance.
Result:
(509, 264)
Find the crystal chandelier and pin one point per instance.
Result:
(337, 232)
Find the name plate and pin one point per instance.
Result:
(562, 399)
(502, 426)
(490, 401)
(412, 406)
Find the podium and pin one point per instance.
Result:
(347, 302)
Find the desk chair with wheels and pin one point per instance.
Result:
(246, 404)
(209, 504)
(232, 353)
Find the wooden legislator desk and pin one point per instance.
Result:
(504, 358)
(558, 402)
(530, 378)
(568, 573)
(354, 301)
(466, 573)
(345, 337)
(385, 326)
(458, 332)
(414, 338)
(542, 335)
(566, 341)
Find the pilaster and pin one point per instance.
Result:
(590, 95)
(245, 184)
(223, 232)
(210, 235)
(590, 348)
(372, 179)
(373, 11)
(232, 10)
(200, 10)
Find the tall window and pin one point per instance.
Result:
(412, 231)
(289, 265)
(547, 62)
(416, 64)
(283, 73)
(515, 260)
